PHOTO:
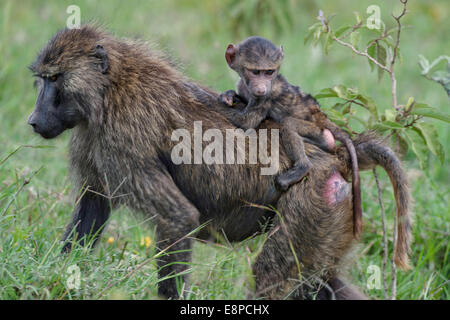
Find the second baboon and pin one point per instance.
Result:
(269, 95)
(123, 102)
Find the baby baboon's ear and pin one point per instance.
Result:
(281, 52)
(230, 54)
(102, 55)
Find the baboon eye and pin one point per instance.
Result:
(269, 72)
(255, 72)
(53, 78)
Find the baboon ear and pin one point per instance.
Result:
(230, 54)
(281, 52)
(102, 55)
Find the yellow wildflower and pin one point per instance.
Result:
(146, 241)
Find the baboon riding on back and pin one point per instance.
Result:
(124, 101)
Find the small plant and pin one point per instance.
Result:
(404, 124)
(440, 76)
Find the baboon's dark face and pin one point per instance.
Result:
(54, 111)
(71, 77)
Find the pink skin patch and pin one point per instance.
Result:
(336, 189)
(329, 138)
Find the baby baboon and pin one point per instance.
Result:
(269, 95)
(123, 102)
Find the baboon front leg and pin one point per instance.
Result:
(175, 254)
(89, 218)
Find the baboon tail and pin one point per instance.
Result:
(372, 151)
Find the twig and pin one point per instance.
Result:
(394, 55)
(364, 53)
(361, 53)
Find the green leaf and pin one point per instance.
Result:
(326, 93)
(331, 16)
(424, 64)
(361, 121)
(425, 110)
(355, 37)
(380, 127)
(336, 117)
(399, 55)
(339, 105)
(342, 91)
(392, 124)
(418, 146)
(409, 103)
(387, 125)
(369, 103)
(346, 109)
(311, 31)
(318, 34)
(335, 114)
(381, 58)
(358, 17)
(328, 41)
(339, 32)
(390, 114)
(372, 52)
(442, 77)
(429, 133)
(400, 144)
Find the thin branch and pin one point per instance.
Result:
(394, 55)
(361, 53)
(364, 53)
(345, 35)
(397, 41)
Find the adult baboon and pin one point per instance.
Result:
(124, 101)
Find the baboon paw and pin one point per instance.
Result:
(228, 97)
(292, 176)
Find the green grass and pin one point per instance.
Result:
(33, 216)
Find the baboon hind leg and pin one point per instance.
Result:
(273, 266)
(176, 218)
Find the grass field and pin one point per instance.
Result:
(33, 215)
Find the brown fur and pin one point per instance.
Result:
(121, 148)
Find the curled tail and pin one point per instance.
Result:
(371, 152)
(357, 206)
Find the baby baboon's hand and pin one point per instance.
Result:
(228, 97)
